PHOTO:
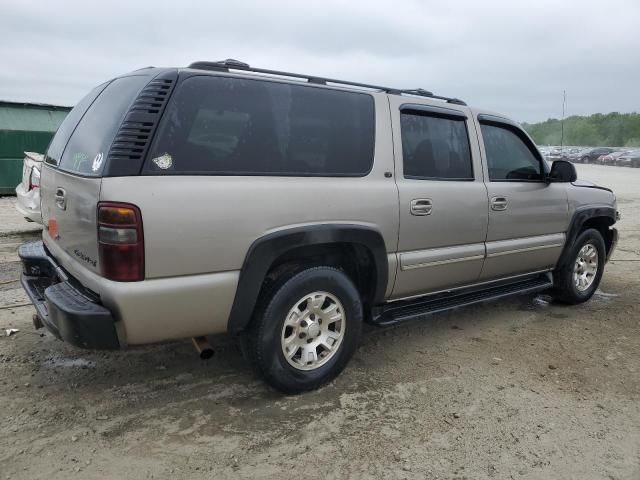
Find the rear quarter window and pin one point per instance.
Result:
(231, 126)
(87, 149)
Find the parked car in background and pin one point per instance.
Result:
(28, 191)
(629, 159)
(590, 156)
(572, 154)
(611, 158)
(554, 154)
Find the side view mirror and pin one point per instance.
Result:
(563, 172)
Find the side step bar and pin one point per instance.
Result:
(404, 310)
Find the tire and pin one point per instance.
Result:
(584, 160)
(281, 327)
(569, 289)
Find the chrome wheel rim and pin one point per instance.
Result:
(585, 267)
(313, 331)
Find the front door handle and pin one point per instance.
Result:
(61, 198)
(499, 204)
(421, 206)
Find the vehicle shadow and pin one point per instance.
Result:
(160, 366)
(168, 389)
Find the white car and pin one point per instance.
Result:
(28, 191)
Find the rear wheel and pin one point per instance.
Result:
(581, 272)
(305, 330)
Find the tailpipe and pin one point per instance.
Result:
(202, 346)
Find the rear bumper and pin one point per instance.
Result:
(63, 306)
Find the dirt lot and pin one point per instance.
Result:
(521, 389)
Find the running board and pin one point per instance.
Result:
(404, 310)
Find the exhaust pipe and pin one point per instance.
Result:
(202, 346)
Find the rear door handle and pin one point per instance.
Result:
(421, 206)
(61, 198)
(499, 204)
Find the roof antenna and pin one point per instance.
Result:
(564, 99)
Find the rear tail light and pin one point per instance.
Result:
(34, 178)
(120, 242)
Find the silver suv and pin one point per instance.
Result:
(288, 209)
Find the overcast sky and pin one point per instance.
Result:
(512, 56)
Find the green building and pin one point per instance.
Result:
(24, 127)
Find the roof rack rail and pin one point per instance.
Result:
(232, 64)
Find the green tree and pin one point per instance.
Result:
(611, 129)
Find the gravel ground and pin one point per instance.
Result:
(11, 222)
(520, 389)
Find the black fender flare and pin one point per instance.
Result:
(265, 250)
(580, 216)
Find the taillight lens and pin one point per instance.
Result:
(34, 178)
(120, 242)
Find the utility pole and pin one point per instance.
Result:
(564, 99)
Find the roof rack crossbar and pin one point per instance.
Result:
(231, 64)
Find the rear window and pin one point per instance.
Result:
(87, 149)
(231, 126)
(68, 125)
(435, 148)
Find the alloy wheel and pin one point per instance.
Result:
(585, 267)
(313, 330)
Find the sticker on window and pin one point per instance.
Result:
(164, 161)
(97, 162)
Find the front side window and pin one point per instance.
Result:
(509, 158)
(232, 126)
(434, 147)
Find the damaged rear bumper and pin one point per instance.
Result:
(64, 307)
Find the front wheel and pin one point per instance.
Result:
(305, 330)
(579, 276)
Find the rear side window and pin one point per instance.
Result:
(509, 158)
(231, 126)
(68, 125)
(435, 148)
(87, 149)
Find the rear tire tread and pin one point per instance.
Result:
(261, 358)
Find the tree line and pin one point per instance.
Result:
(600, 129)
